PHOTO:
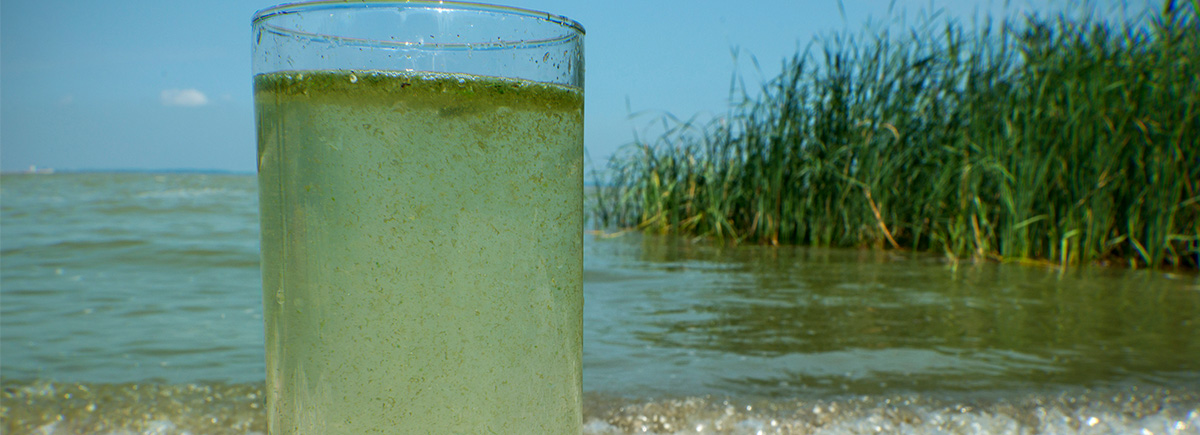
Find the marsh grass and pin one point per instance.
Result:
(1067, 140)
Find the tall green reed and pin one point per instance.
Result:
(1064, 139)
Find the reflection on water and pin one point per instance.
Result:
(669, 317)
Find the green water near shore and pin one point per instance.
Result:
(788, 321)
(143, 290)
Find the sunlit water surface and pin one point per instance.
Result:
(130, 303)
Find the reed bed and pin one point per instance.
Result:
(1065, 139)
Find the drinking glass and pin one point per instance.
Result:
(421, 200)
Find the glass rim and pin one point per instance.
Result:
(574, 29)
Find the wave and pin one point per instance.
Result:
(73, 246)
(46, 407)
(192, 192)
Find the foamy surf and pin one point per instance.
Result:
(50, 408)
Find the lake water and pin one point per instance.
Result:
(130, 303)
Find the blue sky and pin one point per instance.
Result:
(156, 85)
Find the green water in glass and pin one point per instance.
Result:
(422, 252)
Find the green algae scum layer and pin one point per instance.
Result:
(421, 252)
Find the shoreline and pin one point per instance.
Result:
(216, 408)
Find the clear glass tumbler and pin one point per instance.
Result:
(421, 196)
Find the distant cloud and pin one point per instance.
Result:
(183, 97)
(66, 100)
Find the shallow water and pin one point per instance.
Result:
(669, 317)
(130, 303)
